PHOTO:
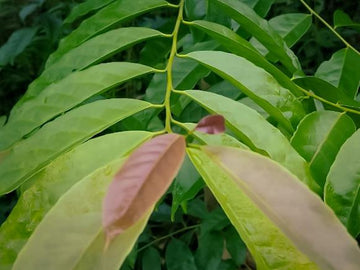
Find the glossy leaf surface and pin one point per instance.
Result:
(342, 71)
(60, 135)
(255, 83)
(140, 183)
(318, 139)
(47, 186)
(267, 244)
(251, 128)
(66, 94)
(262, 31)
(342, 189)
(313, 228)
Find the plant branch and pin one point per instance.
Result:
(336, 105)
(169, 83)
(329, 26)
(169, 235)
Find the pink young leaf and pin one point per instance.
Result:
(141, 182)
(211, 124)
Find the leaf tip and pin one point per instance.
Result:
(211, 124)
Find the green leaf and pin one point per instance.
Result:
(327, 91)
(146, 174)
(268, 245)
(85, 8)
(2, 121)
(88, 53)
(107, 18)
(256, 83)
(95, 258)
(341, 19)
(251, 128)
(238, 45)
(48, 185)
(210, 250)
(262, 31)
(214, 139)
(28, 10)
(16, 44)
(195, 9)
(235, 246)
(178, 256)
(261, 7)
(291, 27)
(186, 185)
(77, 215)
(151, 259)
(342, 188)
(60, 135)
(64, 95)
(312, 228)
(185, 75)
(318, 139)
(342, 71)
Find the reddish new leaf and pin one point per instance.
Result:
(211, 124)
(141, 181)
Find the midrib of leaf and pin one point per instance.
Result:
(325, 138)
(299, 25)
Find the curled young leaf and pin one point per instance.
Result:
(211, 124)
(140, 183)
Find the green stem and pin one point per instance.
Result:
(169, 235)
(169, 82)
(336, 105)
(329, 26)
